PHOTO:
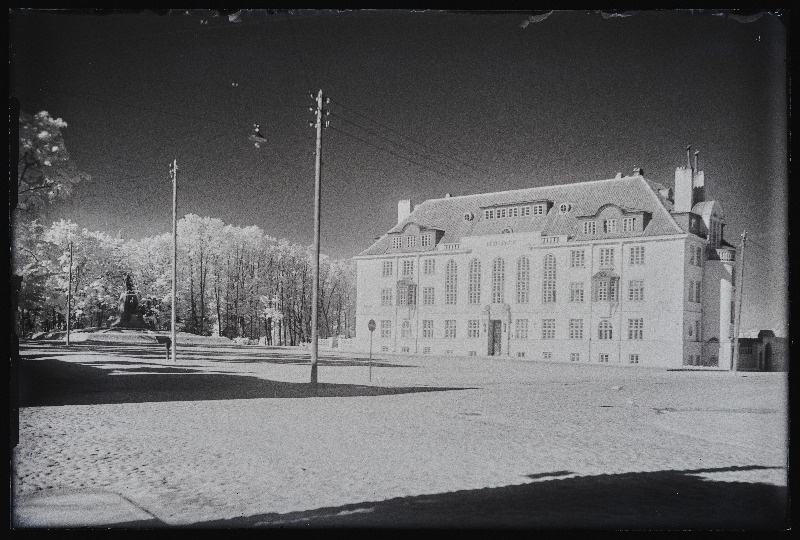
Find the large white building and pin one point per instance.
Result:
(617, 271)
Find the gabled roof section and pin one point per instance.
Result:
(632, 193)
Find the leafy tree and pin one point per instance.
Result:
(45, 171)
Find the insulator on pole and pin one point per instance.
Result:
(327, 100)
(327, 123)
(311, 124)
(311, 95)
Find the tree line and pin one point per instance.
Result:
(232, 281)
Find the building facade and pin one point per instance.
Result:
(617, 271)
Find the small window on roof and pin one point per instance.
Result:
(507, 230)
(564, 208)
(469, 216)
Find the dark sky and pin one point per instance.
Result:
(422, 104)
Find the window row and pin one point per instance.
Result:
(410, 241)
(514, 211)
(605, 330)
(590, 228)
(606, 289)
(694, 291)
(696, 255)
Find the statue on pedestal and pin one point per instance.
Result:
(130, 316)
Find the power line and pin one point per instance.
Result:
(373, 132)
(384, 126)
(390, 152)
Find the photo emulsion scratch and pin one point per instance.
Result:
(385, 269)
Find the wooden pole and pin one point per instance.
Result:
(738, 316)
(174, 170)
(315, 282)
(69, 291)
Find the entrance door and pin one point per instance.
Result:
(495, 337)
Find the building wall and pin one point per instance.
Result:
(665, 308)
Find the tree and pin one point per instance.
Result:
(45, 171)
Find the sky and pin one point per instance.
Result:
(422, 103)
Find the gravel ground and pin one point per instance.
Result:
(231, 437)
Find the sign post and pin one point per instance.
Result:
(371, 326)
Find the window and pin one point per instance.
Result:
(547, 355)
(523, 280)
(507, 230)
(405, 330)
(605, 330)
(538, 210)
(450, 328)
(521, 329)
(450, 282)
(610, 226)
(692, 255)
(574, 357)
(606, 257)
(386, 329)
(564, 208)
(635, 328)
(633, 358)
(405, 349)
(698, 257)
(606, 287)
(576, 291)
(498, 281)
(603, 358)
(577, 259)
(488, 214)
(384, 348)
(526, 211)
(426, 350)
(386, 297)
(429, 266)
(411, 241)
(637, 255)
(576, 329)
(427, 329)
(548, 328)
(628, 224)
(408, 267)
(428, 296)
(589, 227)
(697, 331)
(472, 328)
(501, 212)
(694, 291)
(474, 282)
(520, 354)
(397, 242)
(387, 268)
(549, 279)
(402, 294)
(426, 240)
(513, 212)
(636, 290)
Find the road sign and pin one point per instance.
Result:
(371, 325)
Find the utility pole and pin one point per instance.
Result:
(69, 291)
(174, 174)
(318, 113)
(738, 316)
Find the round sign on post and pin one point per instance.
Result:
(371, 326)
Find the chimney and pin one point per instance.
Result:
(698, 185)
(684, 180)
(403, 209)
(638, 171)
(619, 175)
(446, 195)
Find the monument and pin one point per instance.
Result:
(130, 313)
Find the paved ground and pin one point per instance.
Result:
(232, 437)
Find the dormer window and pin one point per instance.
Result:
(469, 216)
(411, 241)
(426, 240)
(610, 226)
(507, 230)
(397, 242)
(526, 210)
(628, 224)
(589, 228)
(564, 208)
(488, 213)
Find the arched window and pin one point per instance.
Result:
(405, 330)
(549, 282)
(604, 330)
(523, 280)
(475, 281)
(498, 280)
(450, 282)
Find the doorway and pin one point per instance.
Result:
(495, 337)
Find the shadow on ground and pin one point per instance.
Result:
(50, 382)
(663, 500)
